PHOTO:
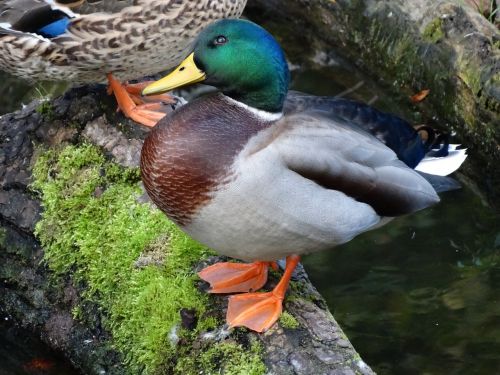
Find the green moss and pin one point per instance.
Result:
(472, 77)
(77, 312)
(410, 64)
(433, 32)
(208, 324)
(94, 229)
(3, 236)
(225, 358)
(45, 109)
(287, 320)
(299, 287)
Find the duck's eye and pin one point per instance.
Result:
(220, 40)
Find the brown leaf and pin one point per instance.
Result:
(417, 98)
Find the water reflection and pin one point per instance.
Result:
(421, 294)
(23, 354)
(16, 92)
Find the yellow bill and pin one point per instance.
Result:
(186, 73)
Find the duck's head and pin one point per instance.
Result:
(238, 57)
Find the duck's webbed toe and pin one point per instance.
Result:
(235, 277)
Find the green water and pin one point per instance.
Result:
(422, 294)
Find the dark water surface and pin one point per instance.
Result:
(21, 353)
(420, 295)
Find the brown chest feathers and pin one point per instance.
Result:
(189, 154)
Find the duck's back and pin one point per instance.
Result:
(96, 6)
(394, 132)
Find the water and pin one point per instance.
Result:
(420, 295)
(21, 353)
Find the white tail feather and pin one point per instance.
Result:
(443, 166)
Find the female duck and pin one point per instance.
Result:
(46, 40)
(258, 177)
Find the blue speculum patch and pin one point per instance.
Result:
(55, 28)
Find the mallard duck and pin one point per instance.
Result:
(259, 174)
(85, 41)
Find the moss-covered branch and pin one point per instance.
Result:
(93, 228)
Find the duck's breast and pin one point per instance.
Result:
(189, 155)
(265, 211)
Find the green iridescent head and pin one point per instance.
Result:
(241, 59)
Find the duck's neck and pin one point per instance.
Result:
(261, 114)
(265, 91)
(265, 100)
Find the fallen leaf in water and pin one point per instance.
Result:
(38, 364)
(417, 98)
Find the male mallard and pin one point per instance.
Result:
(258, 176)
(46, 40)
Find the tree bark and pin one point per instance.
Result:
(29, 296)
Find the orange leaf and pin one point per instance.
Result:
(417, 98)
(38, 364)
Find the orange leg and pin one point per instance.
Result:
(259, 311)
(135, 91)
(235, 277)
(145, 114)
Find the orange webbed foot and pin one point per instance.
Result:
(135, 91)
(256, 311)
(133, 106)
(259, 311)
(235, 277)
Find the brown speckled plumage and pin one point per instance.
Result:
(185, 158)
(130, 41)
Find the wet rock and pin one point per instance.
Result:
(188, 319)
(27, 293)
(60, 326)
(126, 152)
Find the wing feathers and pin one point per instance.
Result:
(354, 163)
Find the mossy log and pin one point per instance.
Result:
(408, 46)
(107, 279)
